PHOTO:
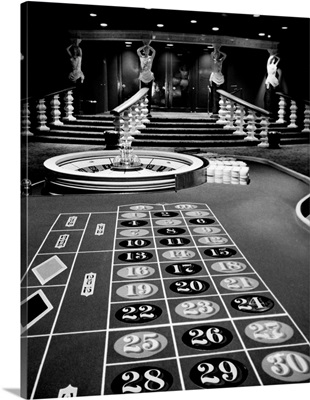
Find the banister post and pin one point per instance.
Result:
(133, 120)
(264, 132)
(222, 111)
(25, 120)
(293, 115)
(144, 110)
(281, 112)
(251, 127)
(55, 110)
(140, 124)
(41, 116)
(239, 122)
(230, 107)
(68, 99)
(306, 118)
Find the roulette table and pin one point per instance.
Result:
(203, 288)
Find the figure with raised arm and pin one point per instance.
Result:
(146, 55)
(216, 78)
(271, 83)
(76, 75)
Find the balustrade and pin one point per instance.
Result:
(46, 112)
(244, 118)
(298, 112)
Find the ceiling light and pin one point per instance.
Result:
(160, 25)
(193, 21)
(284, 27)
(256, 15)
(215, 28)
(261, 34)
(170, 44)
(93, 15)
(128, 42)
(269, 36)
(103, 24)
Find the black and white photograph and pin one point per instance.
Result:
(163, 202)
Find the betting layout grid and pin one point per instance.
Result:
(64, 307)
(177, 310)
(188, 311)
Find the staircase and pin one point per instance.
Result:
(170, 129)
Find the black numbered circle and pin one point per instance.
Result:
(166, 214)
(142, 380)
(132, 243)
(220, 252)
(134, 223)
(175, 241)
(171, 231)
(138, 313)
(189, 286)
(207, 337)
(202, 221)
(183, 269)
(135, 256)
(252, 304)
(218, 372)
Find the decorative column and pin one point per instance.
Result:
(55, 111)
(222, 111)
(281, 112)
(264, 132)
(140, 124)
(41, 116)
(133, 120)
(306, 118)
(68, 99)
(251, 127)
(230, 117)
(239, 122)
(25, 120)
(293, 115)
(144, 110)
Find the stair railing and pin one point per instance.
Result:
(244, 118)
(47, 110)
(131, 115)
(297, 110)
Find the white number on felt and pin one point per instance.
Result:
(229, 265)
(211, 334)
(239, 283)
(185, 286)
(284, 364)
(135, 344)
(133, 376)
(144, 312)
(202, 307)
(267, 330)
(134, 271)
(253, 303)
(229, 370)
(136, 290)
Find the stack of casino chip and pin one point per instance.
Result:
(210, 172)
(227, 170)
(244, 175)
(227, 174)
(235, 175)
